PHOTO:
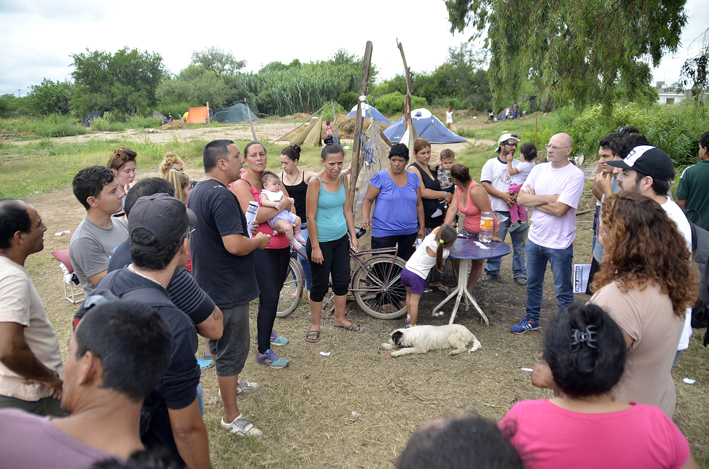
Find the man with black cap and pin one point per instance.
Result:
(495, 178)
(649, 171)
(159, 227)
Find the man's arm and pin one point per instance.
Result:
(506, 196)
(213, 326)
(528, 198)
(190, 436)
(16, 355)
(96, 278)
(682, 203)
(240, 245)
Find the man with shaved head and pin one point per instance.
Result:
(554, 189)
(30, 361)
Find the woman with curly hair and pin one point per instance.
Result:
(646, 281)
(122, 164)
(171, 161)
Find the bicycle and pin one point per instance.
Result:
(375, 283)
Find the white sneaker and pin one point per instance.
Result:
(244, 387)
(241, 427)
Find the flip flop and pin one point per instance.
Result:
(312, 333)
(352, 328)
(441, 288)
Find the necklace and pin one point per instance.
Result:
(130, 267)
(289, 179)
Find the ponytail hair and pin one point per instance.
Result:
(444, 240)
(529, 151)
(180, 180)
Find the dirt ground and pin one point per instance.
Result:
(357, 407)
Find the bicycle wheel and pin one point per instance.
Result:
(377, 287)
(292, 291)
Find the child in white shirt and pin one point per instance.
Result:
(518, 175)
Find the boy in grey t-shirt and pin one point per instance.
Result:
(99, 232)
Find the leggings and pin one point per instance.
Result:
(336, 261)
(271, 271)
(406, 244)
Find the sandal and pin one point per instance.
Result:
(312, 333)
(204, 364)
(352, 328)
(441, 288)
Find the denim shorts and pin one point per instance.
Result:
(232, 349)
(413, 281)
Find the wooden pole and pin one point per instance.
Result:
(335, 120)
(248, 111)
(356, 159)
(208, 120)
(536, 123)
(409, 85)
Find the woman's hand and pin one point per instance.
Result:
(542, 377)
(422, 233)
(449, 198)
(499, 240)
(355, 243)
(366, 223)
(316, 255)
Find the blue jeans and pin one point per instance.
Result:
(561, 261)
(304, 263)
(518, 238)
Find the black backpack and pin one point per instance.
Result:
(700, 254)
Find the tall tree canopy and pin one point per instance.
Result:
(125, 81)
(574, 51)
(218, 61)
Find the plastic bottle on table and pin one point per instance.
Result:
(486, 225)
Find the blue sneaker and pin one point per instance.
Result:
(524, 325)
(271, 359)
(276, 339)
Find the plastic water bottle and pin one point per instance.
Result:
(486, 225)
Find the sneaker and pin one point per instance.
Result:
(437, 213)
(241, 427)
(524, 325)
(407, 322)
(275, 339)
(489, 277)
(271, 359)
(246, 387)
(520, 281)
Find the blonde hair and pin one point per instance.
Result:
(170, 160)
(180, 180)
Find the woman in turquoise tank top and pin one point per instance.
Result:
(329, 221)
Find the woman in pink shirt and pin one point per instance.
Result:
(585, 426)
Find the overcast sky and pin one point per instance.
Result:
(38, 36)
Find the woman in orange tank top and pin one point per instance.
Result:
(471, 205)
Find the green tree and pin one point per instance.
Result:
(194, 85)
(51, 98)
(218, 61)
(573, 51)
(124, 82)
(696, 68)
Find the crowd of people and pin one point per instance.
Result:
(163, 261)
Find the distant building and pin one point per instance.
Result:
(672, 97)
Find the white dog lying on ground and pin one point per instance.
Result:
(421, 339)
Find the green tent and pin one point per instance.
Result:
(236, 113)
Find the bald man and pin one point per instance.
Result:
(554, 189)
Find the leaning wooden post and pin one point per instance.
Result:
(356, 160)
(407, 100)
(248, 111)
(209, 121)
(335, 120)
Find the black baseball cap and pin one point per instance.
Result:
(648, 160)
(164, 216)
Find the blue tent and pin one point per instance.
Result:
(368, 110)
(427, 126)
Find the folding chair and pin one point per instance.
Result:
(69, 278)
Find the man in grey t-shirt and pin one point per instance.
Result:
(98, 233)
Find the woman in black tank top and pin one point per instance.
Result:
(296, 182)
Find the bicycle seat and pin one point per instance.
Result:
(359, 232)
